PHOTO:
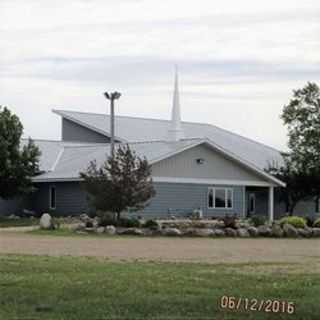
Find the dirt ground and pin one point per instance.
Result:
(225, 250)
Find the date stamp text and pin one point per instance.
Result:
(245, 304)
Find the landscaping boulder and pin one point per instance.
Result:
(316, 232)
(253, 231)
(290, 231)
(100, 230)
(78, 226)
(205, 232)
(84, 218)
(46, 222)
(111, 230)
(171, 232)
(230, 232)
(305, 232)
(219, 233)
(264, 231)
(243, 233)
(277, 231)
(13, 217)
(132, 232)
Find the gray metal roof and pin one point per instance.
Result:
(141, 129)
(63, 161)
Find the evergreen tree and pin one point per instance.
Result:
(121, 183)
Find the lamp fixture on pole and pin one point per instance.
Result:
(112, 96)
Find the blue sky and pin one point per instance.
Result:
(238, 61)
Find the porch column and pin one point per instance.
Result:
(271, 203)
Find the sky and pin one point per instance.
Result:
(238, 61)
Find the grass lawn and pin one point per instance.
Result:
(21, 222)
(88, 288)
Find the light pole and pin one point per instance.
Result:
(112, 96)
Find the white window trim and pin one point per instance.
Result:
(50, 197)
(214, 197)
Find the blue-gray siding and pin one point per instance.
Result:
(71, 199)
(72, 131)
(171, 198)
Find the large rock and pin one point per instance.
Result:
(85, 218)
(316, 232)
(46, 222)
(111, 230)
(290, 231)
(100, 230)
(203, 232)
(253, 231)
(305, 232)
(78, 226)
(230, 232)
(171, 232)
(243, 233)
(219, 233)
(132, 232)
(277, 231)
(264, 231)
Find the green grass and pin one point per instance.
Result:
(22, 222)
(87, 288)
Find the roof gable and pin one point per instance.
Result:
(129, 129)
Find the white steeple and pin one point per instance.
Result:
(175, 132)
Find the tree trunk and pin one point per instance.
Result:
(118, 216)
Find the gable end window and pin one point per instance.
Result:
(52, 197)
(220, 198)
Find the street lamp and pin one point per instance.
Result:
(112, 96)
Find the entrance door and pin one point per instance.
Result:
(252, 204)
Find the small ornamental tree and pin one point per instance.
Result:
(297, 183)
(121, 183)
(17, 164)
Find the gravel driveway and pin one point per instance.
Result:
(165, 249)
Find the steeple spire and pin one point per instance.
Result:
(175, 131)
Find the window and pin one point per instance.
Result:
(220, 198)
(52, 197)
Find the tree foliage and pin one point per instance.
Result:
(121, 183)
(297, 183)
(301, 170)
(17, 164)
(302, 117)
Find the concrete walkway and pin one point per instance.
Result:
(165, 249)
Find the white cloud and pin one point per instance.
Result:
(238, 60)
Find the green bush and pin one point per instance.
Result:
(106, 219)
(316, 224)
(151, 224)
(297, 222)
(128, 223)
(258, 220)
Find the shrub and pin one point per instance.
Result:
(311, 219)
(128, 223)
(297, 222)
(105, 219)
(316, 223)
(258, 220)
(230, 221)
(151, 224)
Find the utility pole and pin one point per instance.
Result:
(112, 96)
